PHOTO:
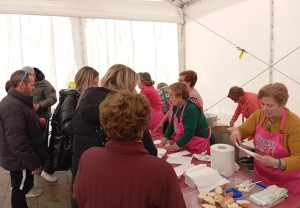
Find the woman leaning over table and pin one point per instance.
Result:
(188, 122)
(276, 140)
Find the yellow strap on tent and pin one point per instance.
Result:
(71, 85)
(242, 51)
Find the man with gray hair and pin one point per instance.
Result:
(21, 145)
(44, 96)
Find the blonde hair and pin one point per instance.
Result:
(161, 84)
(145, 78)
(277, 91)
(84, 80)
(180, 89)
(119, 77)
(124, 115)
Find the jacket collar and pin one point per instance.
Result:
(126, 147)
(24, 98)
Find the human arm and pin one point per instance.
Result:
(148, 143)
(66, 114)
(50, 94)
(161, 123)
(251, 107)
(235, 115)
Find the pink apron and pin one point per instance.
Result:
(156, 117)
(200, 144)
(267, 143)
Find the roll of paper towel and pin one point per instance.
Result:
(222, 158)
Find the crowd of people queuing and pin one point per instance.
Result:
(102, 133)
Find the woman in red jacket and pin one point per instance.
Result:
(145, 83)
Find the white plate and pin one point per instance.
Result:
(161, 152)
(156, 141)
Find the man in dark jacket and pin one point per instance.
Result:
(44, 96)
(21, 143)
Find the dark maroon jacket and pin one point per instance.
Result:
(21, 139)
(124, 175)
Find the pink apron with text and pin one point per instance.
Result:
(267, 143)
(200, 144)
(156, 117)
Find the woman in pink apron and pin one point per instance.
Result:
(276, 139)
(188, 125)
(247, 103)
(145, 83)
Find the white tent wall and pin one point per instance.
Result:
(53, 44)
(245, 24)
(287, 39)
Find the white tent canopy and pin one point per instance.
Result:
(267, 30)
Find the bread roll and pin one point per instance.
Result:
(209, 200)
(223, 186)
(233, 205)
(208, 206)
(212, 194)
(218, 198)
(227, 200)
(243, 203)
(218, 190)
(201, 196)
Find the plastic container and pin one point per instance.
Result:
(236, 193)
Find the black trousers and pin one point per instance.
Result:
(48, 167)
(22, 182)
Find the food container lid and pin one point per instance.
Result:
(210, 115)
(236, 193)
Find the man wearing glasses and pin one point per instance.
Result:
(21, 144)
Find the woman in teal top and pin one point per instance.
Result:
(188, 123)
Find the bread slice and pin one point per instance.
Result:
(219, 190)
(218, 198)
(212, 194)
(233, 205)
(230, 194)
(208, 206)
(227, 200)
(209, 200)
(201, 196)
(243, 203)
(223, 186)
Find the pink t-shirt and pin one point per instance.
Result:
(153, 97)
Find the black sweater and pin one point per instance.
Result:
(84, 123)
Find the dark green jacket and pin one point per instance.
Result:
(195, 123)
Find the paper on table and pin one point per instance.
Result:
(245, 150)
(179, 160)
(179, 153)
(185, 166)
(195, 167)
(208, 179)
(209, 188)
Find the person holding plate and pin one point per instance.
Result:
(276, 139)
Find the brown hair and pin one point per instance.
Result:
(17, 77)
(124, 115)
(277, 91)
(190, 76)
(7, 85)
(235, 93)
(84, 80)
(180, 89)
(145, 78)
(119, 77)
(161, 84)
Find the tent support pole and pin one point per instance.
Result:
(271, 61)
(181, 47)
(82, 42)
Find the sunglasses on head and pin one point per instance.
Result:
(25, 73)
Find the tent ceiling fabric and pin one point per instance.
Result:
(138, 10)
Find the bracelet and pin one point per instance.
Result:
(279, 161)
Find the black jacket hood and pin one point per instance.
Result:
(39, 74)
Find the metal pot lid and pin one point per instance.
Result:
(210, 115)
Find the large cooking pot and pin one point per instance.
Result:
(211, 118)
(223, 137)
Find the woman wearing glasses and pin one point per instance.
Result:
(276, 139)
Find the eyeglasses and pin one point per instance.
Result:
(25, 73)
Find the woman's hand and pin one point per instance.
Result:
(173, 147)
(265, 160)
(231, 123)
(162, 143)
(160, 125)
(236, 136)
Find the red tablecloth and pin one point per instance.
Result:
(290, 202)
